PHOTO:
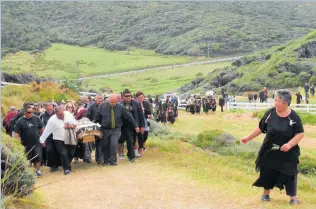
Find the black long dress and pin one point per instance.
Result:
(280, 167)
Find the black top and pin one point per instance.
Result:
(29, 130)
(103, 116)
(147, 108)
(298, 98)
(92, 111)
(279, 131)
(136, 110)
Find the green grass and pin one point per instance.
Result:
(62, 60)
(232, 168)
(153, 82)
(228, 174)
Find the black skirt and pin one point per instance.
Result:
(270, 178)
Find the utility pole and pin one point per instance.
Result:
(208, 49)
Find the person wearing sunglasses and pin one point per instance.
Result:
(29, 128)
(279, 154)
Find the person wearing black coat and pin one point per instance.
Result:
(91, 113)
(51, 156)
(128, 134)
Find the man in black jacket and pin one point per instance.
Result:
(50, 153)
(111, 115)
(91, 113)
(128, 134)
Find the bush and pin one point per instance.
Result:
(307, 165)
(16, 178)
(158, 129)
(312, 79)
(206, 139)
(245, 151)
(199, 74)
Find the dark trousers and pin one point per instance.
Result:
(222, 109)
(44, 156)
(127, 135)
(97, 145)
(66, 152)
(108, 146)
(52, 155)
(140, 138)
(145, 136)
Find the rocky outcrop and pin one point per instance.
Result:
(297, 67)
(307, 50)
(247, 60)
(22, 78)
(192, 85)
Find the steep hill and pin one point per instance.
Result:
(285, 66)
(169, 28)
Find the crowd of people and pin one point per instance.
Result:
(48, 134)
(49, 131)
(166, 111)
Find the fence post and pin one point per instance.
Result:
(308, 108)
(227, 106)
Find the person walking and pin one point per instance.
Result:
(110, 116)
(60, 123)
(91, 113)
(29, 128)
(49, 148)
(135, 108)
(279, 154)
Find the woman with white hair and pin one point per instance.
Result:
(278, 157)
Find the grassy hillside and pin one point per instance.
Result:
(61, 60)
(166, 27)
(153, 82)
(285, 66)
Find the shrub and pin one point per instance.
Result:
(16, 179)
(158, 129)
(307, 165)
(206, 139)
(312, 79)
(199, 74)
(244, 151)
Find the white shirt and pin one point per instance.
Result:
(56, 126)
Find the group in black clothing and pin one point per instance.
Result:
(126, 120)
(121, 121)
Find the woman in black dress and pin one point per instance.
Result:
(205, 106)
(278, 157)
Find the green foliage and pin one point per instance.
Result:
(206, 139)
(73, 85)
(16, 179)
(312, 79)
(272, 68)
(231, 27)
(307, 165)
(199, 74)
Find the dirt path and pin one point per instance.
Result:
(141, 185)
